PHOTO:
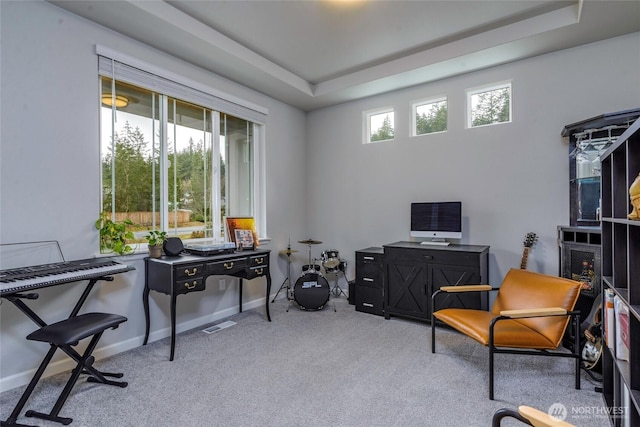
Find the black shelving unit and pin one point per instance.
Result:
(621, 273)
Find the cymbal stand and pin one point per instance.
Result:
(336, 291)
(287, 279)
(310, 264)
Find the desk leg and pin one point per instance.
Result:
(145, 304)
(268, 294)
(240, 292)
(173, 325)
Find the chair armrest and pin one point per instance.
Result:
(534, 312)
(467, 288)
(539, 418)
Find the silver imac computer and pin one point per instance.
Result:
(436, 220)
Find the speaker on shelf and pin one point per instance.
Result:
(172, 246)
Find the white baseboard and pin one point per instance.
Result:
(66, 364)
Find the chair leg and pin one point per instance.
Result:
(11, 421)
(86, 360)
(433, 333)
(576, 348)
(491, 371)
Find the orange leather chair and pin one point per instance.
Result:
(530, 315)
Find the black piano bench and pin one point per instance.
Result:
(68, 333)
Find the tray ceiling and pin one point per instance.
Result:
(313, 54)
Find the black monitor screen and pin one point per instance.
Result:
(440, 216)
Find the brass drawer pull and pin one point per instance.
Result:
(259, 270)
(228, 266)
(259, 260)
(191, 285)
(193, 273)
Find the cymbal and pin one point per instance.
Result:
(287, 251)
(310, 242)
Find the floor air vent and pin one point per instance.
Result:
(220, 326)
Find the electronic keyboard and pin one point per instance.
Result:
(41, 276)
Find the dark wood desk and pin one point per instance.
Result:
(179, 275)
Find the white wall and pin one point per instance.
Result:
(512, 178)
(321, 181)
(49, 178)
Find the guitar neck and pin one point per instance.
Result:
(525, 258)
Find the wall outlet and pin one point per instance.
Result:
(223, 284)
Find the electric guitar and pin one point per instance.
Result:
(592, 348)
(529, 240)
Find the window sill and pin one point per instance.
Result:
(141, 251)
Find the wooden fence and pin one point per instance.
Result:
(146, 218)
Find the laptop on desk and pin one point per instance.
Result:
(209, 248)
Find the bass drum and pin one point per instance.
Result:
(311, 291)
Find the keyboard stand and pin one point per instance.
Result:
(95, 375)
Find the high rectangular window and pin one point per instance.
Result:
(489, 105)
(430, 116)
(379, 125)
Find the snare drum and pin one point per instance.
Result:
(311, 291)
(308, 267)
(331, 260)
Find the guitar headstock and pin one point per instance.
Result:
(530, 240)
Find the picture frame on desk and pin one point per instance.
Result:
(244, 239)
(241, 223)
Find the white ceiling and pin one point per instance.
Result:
(313, 54)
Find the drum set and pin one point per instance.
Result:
(311, 290)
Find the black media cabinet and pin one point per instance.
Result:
(403, 276)
(399, 278)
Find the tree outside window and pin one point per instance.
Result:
(380, 125)
(490, 105)
(430, 116)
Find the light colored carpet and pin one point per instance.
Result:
(322, 368)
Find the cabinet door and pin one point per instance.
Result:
(453, 275)
(406, 287)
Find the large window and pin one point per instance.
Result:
(430, 116)
(489, 105)
(169, 164)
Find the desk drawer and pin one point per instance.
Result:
(190, 285)
(188, 271)
(259, 261)
(229, 266)
(253, 272)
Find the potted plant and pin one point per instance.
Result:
(114, 235)
(156, 239)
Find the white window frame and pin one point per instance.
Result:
(488, 88)
(367, 123)
(427, 101)
(224, 103)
